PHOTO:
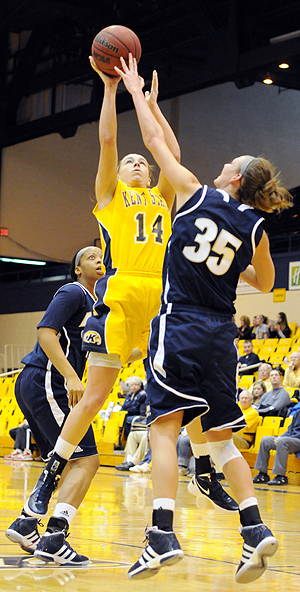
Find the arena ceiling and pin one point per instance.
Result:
(193, 44)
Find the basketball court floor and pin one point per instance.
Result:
(109, 529)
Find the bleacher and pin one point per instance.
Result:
(106, 426)
(106, 429)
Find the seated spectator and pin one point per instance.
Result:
(276, 400)
(136, 446)
(135, 403)
(258, 390)
(124, 389)
(22, 447)
(144, 465)
(244, 438)
(253, 327)
(281, 329)
(248, 359)
(264, 374)
(287, 443)
(184, 452)
(261, 330)
(292, 373)
(245, 331)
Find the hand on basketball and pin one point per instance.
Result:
(151, 97)
(130, 75)
(108, 80)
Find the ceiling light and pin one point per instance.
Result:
(25, 261)
(268, 79)
(284, 65)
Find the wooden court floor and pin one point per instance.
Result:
(109, 529)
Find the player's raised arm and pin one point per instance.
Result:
(181, 179)
(106, 178)
(163, 184)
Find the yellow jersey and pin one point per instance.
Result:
(134, 230)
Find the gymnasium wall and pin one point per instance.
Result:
(47, 187)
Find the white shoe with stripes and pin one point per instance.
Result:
(24, 532)
(54, 548)
(162, 549)
(259, 543)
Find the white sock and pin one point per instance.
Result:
(66, 511)
(250, 501)
(165, 503)
(199, 449)
(64, 449)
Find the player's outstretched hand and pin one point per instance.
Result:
(130, 76)
(108, 80)
(151, 97)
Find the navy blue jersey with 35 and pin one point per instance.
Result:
(204, 271)
(67, 313)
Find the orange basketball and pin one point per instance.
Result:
(112, 43)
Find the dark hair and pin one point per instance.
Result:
(72, 268)
(261, 188)
(284, 320)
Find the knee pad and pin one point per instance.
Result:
(223, 451)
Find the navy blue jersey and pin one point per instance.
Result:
(213, 240)
(67, 313)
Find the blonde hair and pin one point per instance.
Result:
(261, 188)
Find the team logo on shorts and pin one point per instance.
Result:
(92, 337)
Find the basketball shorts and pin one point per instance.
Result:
(191, 366)
(45, 407)
(127, 302)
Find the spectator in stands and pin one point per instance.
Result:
(22, 437)
(261, 330)
(124, 389)
(184, 452)
(274, 401)
(135, 403)
(135, 449)
(253, 327)
(245, 331)
(264, 374)
(287, 443)
(258, 390)
(244, 438)
(292, 373)
(144, 465)
(248, 359)
(281, 329)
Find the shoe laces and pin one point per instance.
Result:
(147, 532)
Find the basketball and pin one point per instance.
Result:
(112, 43)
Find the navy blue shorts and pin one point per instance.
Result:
(192, 365)
(45, 407)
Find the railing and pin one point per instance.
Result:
(13, 355)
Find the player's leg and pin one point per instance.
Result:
(162, 545)
(99, 384)
(205, 482)
(259, 542)
(76, 480)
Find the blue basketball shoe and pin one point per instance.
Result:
(162, 549)
(259, 543)
(24, 532)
